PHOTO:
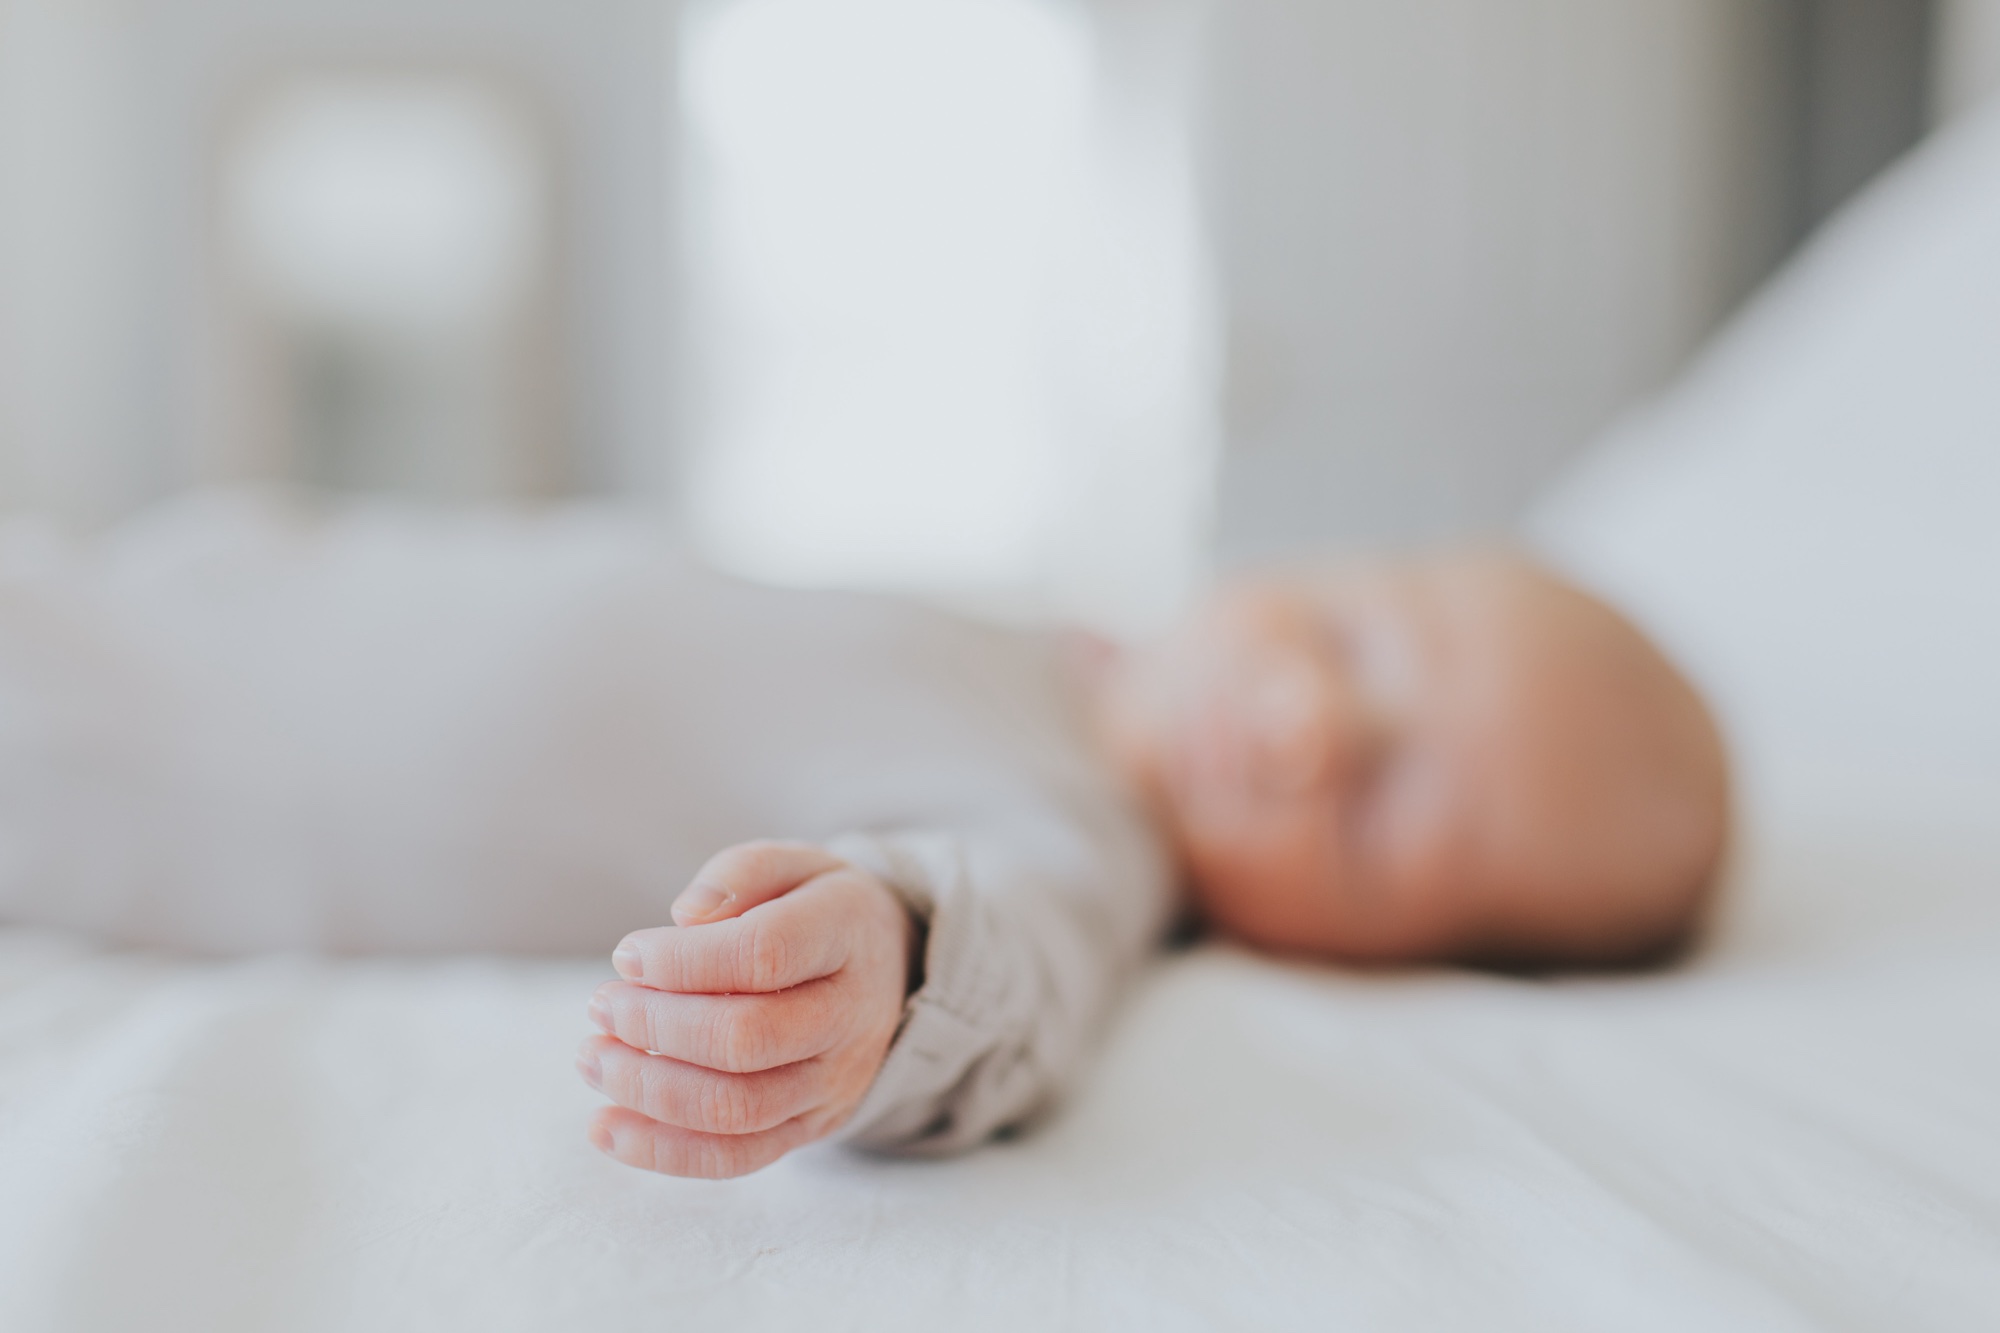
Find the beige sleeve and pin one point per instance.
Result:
(1022, 961)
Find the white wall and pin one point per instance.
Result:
(110, 114)
(1457, 235)
(1968, 54)
(73, 370)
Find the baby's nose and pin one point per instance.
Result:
(1294, 719)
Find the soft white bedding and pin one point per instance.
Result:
(1797, 1132)
(1799, 1129)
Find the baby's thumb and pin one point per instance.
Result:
(736, 880)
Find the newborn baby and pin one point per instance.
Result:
(1458, 758)
(238, 727)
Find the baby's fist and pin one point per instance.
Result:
(758, 1022)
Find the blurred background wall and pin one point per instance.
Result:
(1049, 302)
(1457, 237)
(498, 165)
(1965, 58)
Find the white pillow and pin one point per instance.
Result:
(1811, 519)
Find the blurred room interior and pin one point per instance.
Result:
(1045, 309)
(1048, 305)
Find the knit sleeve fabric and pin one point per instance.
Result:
(1029, 940)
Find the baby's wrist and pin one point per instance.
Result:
(911, 929)
(916, 938)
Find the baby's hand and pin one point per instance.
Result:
(757, 1023)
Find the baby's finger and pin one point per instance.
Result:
(772, 947)
(637, 1141)
(738, 1034)
(691, 1097)
(738, 878)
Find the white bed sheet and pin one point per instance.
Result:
(1799, 1131)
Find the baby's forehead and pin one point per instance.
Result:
(1481, 585)
(1521, 677)
(1482, 642)
(1490, 612)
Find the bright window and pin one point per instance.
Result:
(950, 326)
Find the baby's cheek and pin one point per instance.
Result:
(1269, 882)
(1409, 901)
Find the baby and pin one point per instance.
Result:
(1453, 759)
(238, 725)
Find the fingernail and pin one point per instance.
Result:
(600, 1012)
(699, 903)
(592, 1069)
(600, 1137)
(625, 962)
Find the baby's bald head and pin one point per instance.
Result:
(1457, 757)
(1604, 777)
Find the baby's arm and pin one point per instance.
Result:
(758, 1022)
(1022, 954)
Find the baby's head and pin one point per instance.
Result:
(1458, 757)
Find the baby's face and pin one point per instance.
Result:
(1453, 758)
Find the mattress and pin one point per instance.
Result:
(1797, 1130)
